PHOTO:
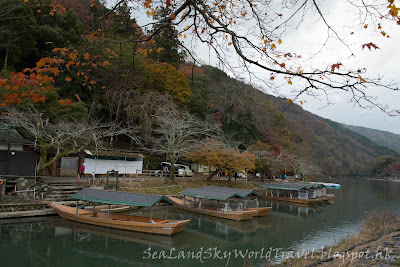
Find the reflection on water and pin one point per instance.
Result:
(53, 241)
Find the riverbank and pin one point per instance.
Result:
(165, 188)
(378, 244)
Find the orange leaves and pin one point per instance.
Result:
(289, 101)
(362, 80)
(106, 63)
(63, 102)
(68, 79)
(148, 3)
(336, 66)
(86, 56)
(290, 82)
(214, 153)
(73, 56)
(369, 45)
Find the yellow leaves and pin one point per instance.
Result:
(106, 63)
(273, 46)
(279, 41)
(290, 101)
(92, 82)
(394, 11)
(160, 49)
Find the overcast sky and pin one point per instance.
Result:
(308, 38)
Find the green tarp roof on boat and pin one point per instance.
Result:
(119, 198)
(242, 192)
(291, 186)
(208, 194)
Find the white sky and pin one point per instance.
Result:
(308, 38)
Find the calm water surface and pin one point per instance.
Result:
(53, 241)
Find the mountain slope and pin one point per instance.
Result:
(247, 115)
(383, 138)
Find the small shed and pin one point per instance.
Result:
(16, 156)
(101, 161)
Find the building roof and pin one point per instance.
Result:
(208, 194)
(242, 192)
(11, 136)
(112, 154)
(291, 186)
(120, 198)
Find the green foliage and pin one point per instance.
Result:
(198, 102)
(166, 44)
(33, 30)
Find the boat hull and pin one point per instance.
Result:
(260, 211)
(292, 200)
(233, 215)
(120, 221)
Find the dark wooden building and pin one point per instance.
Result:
(17, 157)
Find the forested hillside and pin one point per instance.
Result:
(65, 62)
(383, 138)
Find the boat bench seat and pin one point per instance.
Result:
(164, 221)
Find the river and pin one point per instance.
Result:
(53, 241)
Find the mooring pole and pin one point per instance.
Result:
(165, 216)
(151, 214)
(77, 206)
(109, 211)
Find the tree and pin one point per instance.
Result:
(59, 139)
(225, 158)
(166, 79)
(254, 32)
(176, 134)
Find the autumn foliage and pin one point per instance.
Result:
(226, 159)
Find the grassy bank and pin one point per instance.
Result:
(162, 187)
(376, 232)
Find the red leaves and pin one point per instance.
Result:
(168, 3)
(369, 45)
(336, 66)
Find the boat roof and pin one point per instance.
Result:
(291, 186)
(209, 194)
(120, 198)
(242, 192)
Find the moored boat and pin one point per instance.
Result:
(121, 221)
(249, 204)
(303, 193)
(212, 203)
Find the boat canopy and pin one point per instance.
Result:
(120, 198)
(242, 192)
(209, 194)
(292, 186)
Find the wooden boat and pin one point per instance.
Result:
(230, 215)
(302, 193)
(244, 193)
(120, 221)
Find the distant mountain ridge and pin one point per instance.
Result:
(383, 138)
